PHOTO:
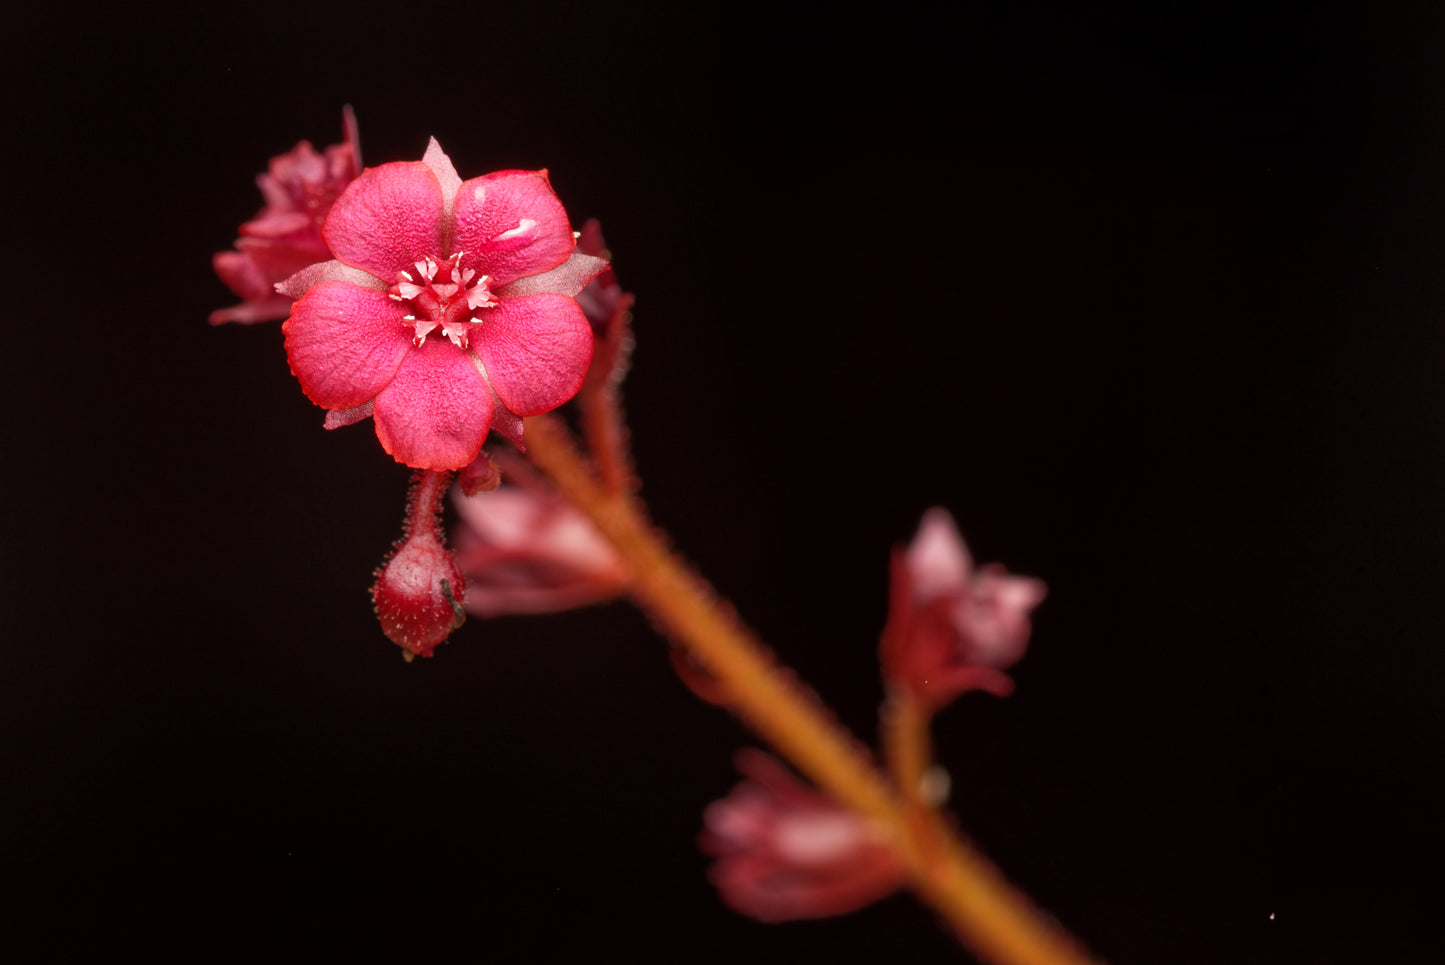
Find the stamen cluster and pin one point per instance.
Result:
(448, 297)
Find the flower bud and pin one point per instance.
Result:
(785, 851)
(418, 590)
(481, 476)
(525, 549)
(953, 627)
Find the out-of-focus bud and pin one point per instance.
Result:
(784, 851)
(525, 549)
(607, 308)
(419, 589)
(952, 628)
(481, 475)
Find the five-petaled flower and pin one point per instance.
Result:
(448, 308)
(784, 851)
(285, 236)
(952, 628)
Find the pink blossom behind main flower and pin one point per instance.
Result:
(523, 548)
(448, 308)
(607, 308)
(285, 236)
(952, 628)
(784, 851)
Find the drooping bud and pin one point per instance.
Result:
(482, 475)
(419, 589)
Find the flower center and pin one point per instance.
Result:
(443, 295)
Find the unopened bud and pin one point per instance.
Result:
(418, 590)
(482, 475)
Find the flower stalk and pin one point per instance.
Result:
(991, 917)
(907, 749)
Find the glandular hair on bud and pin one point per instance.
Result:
(419, 589)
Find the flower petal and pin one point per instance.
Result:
(510, 225)
(345, 343)
(536, 350)
(387, 219)
(937, 559)
(568, 278)
(436, 412)
(248, 313)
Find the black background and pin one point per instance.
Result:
(1149, 295)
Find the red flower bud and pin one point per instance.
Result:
(418, 590)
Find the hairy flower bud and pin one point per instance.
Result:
(418, 590)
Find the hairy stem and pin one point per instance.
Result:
(994, 919)
(607, 436)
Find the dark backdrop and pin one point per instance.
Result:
(1150, 299)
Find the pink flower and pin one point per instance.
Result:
(449, 308)
(951, 628)
(524, 548)
(285, 236)
(784, 851)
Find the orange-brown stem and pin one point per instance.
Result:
(607, 437)
(989, 915)
(906, 746)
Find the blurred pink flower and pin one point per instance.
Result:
(285, 236)
(606, 306)
(523, 548)
(784, 851)
(952, 628)
(602, 296)
(449, 309)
